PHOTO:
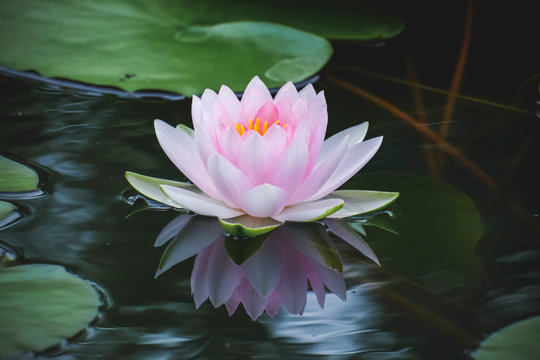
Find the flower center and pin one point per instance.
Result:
(255, 126)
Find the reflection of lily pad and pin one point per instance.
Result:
(40, 305)
(438, 226)
(136, 45)
(16, 177)
(9, 214)
(518, 341)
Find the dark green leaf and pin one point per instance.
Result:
(438, 227)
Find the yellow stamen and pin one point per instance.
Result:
(257, 126)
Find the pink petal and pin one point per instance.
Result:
(255, 95)
(308, 91)
(287, 92)
(353, 160)
(230, 144)
(284, 110)
(290, 168)
(301, 133)
(255, 158)
(181, 149)
(356, 135)
(207, 99)
(321, 173)
(196, 111)
(299, 111)
(230, 182)
(268, 112)
(276, 137)
(309, 211)
(264, 200)
(229, 99)
(200, 203)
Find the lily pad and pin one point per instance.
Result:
(159, 45)
(41, 305)
(329, 19)
(16, 177)
(438, 227)
(9, 214)
(518, 341)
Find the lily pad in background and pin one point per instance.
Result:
(178, 46)
(40, 305)
(152, 45)
(438, 227)
(9, 214)
(16, 177)
(518, 341)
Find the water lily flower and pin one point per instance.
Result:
(258, 162)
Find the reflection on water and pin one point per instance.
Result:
(263, 274)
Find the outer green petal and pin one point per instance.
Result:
(150, 187)
(361, 201)
(249, 226)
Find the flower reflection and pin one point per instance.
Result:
(264, 273)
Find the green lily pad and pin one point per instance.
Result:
(159, 45)
(41, 305)
(16, 177)
(437, 226)
(9, 214)
(518, 341)
(329, 19)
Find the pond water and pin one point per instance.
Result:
(436, 298)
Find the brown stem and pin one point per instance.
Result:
(445, 146)
(458, 72)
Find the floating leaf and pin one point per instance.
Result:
(160, 45)
(40, 305)
(16, 177)
(329, 19)
(518, 341)
(9, 214)
(438, 226)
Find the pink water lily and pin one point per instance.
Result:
(260, 161)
